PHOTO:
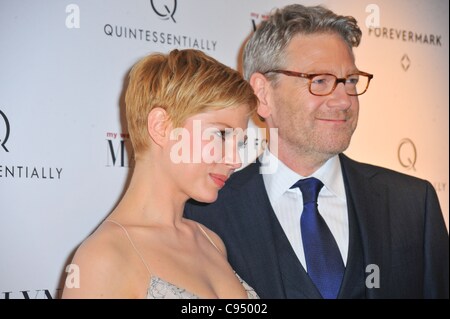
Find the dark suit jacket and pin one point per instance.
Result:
(396, 227)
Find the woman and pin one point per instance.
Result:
(181, 112)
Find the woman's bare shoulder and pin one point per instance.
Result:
(102, 260)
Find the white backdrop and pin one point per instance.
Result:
(63, 143)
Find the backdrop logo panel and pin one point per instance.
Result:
(406, 62)
(406, 36)
(4, 131)
(160, 37)
(407, 154)
(19, 170)
(30, 172)
(163, 10)
(31, 294)
(117, 146)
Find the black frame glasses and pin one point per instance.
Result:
(322, 84)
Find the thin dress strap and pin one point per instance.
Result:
(209, 238)
(132, 243)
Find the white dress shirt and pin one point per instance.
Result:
(288, 203)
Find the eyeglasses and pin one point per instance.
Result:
(324, 84)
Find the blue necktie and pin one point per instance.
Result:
(323, 259)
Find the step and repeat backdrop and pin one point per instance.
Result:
(65, 155)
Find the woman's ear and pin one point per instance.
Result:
(261, 87)
(157, 124)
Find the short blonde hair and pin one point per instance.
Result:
(184, 83)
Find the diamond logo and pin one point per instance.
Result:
(405, 62)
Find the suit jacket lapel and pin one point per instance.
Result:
(371, 216)
(353, 283)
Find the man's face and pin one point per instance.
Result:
(315, 126)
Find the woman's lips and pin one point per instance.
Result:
(219, 179)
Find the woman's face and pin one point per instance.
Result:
(205, 151)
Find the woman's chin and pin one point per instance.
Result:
(206, 198)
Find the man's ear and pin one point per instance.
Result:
(261, 87)
(157, 124)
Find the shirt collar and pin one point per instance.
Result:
(281, 180)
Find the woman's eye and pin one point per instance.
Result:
(221, 134)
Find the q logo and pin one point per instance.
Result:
(163, 10)
(407, 154)
(4, 130)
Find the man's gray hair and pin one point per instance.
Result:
(265, 48)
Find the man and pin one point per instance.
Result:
(377, 233)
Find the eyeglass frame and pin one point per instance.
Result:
(336, 82)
